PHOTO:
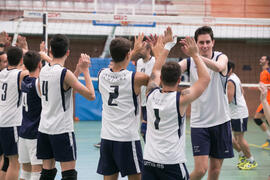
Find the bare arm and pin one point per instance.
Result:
(190, 94)
(230, 91)
(183, 65)
(160, 53)
(88, 90)
(263, 98)
(22, 75)
(218, 66)
(140, 79)
(43, 52)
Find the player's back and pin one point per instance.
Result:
(10, 100)
(265, 78)
(211, 108)
(57, 103)
(31, 108)
(120, 106)
(165, 137)
(238, 107)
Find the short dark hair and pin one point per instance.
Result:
(59, 45)
(231, 66)
(14, 55)
(119, 49)
(31, 60)
(170, 73)
(204, 30)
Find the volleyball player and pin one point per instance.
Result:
(27, 146)
(239, 119)
(210, 121)
(120, 149)
(56, 139)
(10, 109)
(144, 64)
(164, 152)
(264, 78)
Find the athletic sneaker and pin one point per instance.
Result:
(97, 145)
(241, 160)
(248, 165)
(266, 144)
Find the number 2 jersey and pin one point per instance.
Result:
(10, 98)
(57, 103)
(120, 120)
(165, 135)
(31, 108)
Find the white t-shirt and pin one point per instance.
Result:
(211, 108)
(238, 107)
(120, 120)
(165, 135)
(145, 67)
(57, 104)
(10, 98)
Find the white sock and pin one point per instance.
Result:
(35, 175)
(251, 159)
(240, 154)
(268, 133)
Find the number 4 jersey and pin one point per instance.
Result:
(57, 104)
(10, 98)
(120, 121)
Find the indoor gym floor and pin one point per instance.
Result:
(88, 133)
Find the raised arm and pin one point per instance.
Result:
(43, 52)
(218, 66)
(190, 94)
(88, 90)
(160, 52)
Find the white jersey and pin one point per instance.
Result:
(211, 108)
(145, 67)
(120, 120)
(238, 107)
(57, 104)
(165, 135)
(10, 98)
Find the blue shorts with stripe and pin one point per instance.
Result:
(123, 157)
(156, 171)
(61, 147)
(239, 125)
(8, 140)
(214, 141)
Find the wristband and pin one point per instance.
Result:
(169, 45)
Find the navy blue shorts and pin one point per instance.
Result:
(144, 113)
(156, 171)
(214, 141)
(239, 125)
(8, 140)
(61, 147)
(123, 157)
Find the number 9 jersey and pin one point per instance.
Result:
(120, 120)
(10, 98)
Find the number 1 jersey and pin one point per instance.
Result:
(120, 121)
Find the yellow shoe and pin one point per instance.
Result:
(266, 144)
(248, 165)
(241, 160)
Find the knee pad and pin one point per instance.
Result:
(5, 164)
(69, 175)
(258, 121)
(25, 175)
(48, 174)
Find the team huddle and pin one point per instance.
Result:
(36, 110)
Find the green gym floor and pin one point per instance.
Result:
(88, 133)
